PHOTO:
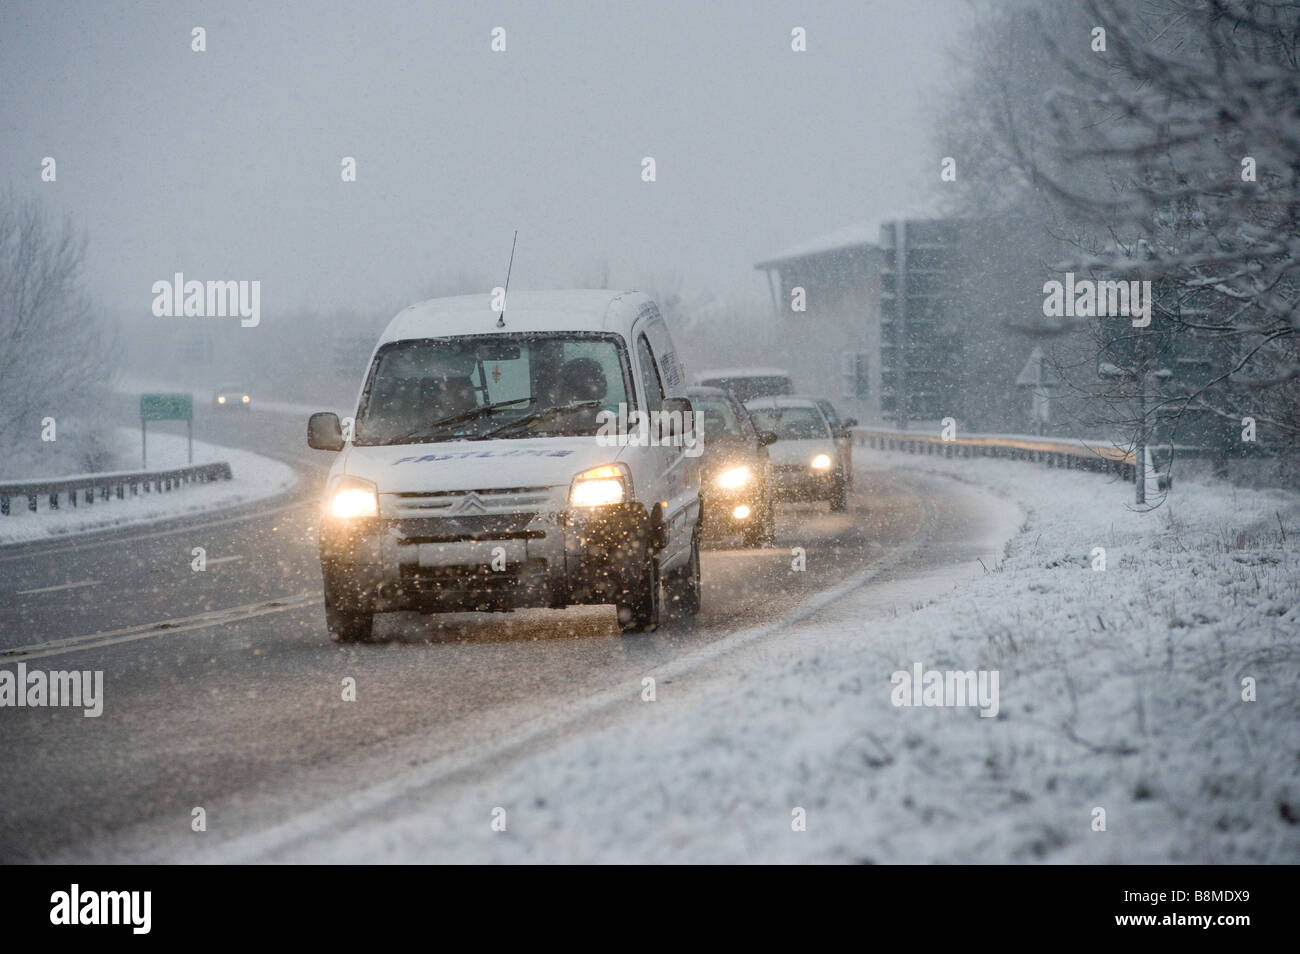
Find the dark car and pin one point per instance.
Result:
(735, 473)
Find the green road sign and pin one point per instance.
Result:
(166, 407)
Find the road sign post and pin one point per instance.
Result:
(165, 407)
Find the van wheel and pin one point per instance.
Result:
(640, 612)
(682, 588)
(347, 623)
(349, 627)
(349, 612)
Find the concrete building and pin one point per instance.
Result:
(828, 293)
(906, 321)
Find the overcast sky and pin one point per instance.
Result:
(226, 164)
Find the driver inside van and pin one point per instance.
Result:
(581, 379)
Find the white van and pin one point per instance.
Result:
(477, 475)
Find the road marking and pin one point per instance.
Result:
(115, 539)
(233, 614)
(62, 586)
(229, 559)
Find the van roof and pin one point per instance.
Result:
(578, 310)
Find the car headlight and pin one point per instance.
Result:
(599, 487)
(221, 399)
(354, 498)
(245, 398)
(821, 462)
(734, 477)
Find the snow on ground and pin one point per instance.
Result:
(1118, 690)
(254, 478)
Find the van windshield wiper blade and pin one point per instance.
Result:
(541, 414)
(428, 430)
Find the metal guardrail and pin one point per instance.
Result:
(117, 485)
(1068, 454)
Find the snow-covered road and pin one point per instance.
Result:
(1121, 732)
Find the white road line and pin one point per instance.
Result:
(229, 559)
(62, 586)
(233, 614)
(117, 539)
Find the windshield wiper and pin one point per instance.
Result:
(428, 430)
(541, 414)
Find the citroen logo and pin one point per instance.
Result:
(470, 503)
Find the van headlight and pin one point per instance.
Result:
(599, 487)
(353, 498)
(821, 462)
(734, 478)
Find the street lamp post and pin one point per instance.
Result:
(1141, 376)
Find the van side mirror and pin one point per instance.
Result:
(767, 438)
(324, 432)
(674, 416)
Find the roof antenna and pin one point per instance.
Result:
(501, 319)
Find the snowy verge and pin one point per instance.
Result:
(254, 478)
(1120, 689)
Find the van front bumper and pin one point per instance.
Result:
(486, 562)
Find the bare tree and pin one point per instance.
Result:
(1167, 150)
(1199, 121)
(54, 359)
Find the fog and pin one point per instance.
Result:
(225, 164)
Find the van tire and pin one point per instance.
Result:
(644, 603)
(682, 587)
(348, 626)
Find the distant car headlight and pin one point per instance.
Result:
(599, 487)
(221, 399)
(734, 478)
(821, 462)
(354, 498)
(245, 398)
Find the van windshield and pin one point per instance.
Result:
(476, 387)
